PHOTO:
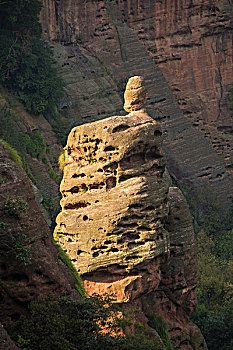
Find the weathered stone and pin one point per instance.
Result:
(124, 231)
(135, 94)
(113, 193)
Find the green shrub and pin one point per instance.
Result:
(66, 260)
(217, 328)
(33, 144)
(61, 161)
(140, 340)
(13, 153)
(15, 207)
(12, 240)
(63, 323)
(26, 62)
(157, 322)
(54, 175)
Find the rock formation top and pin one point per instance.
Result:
(135, 94)
(113, 193)
(125, 231)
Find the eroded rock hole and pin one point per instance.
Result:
(121, 127)
(80, 251)
(96, 186)
(109, 149)
(144, 228)
(107, 242)
(76, 206)
(149, 208)
(74, 189)
(95, 254)
(85, 218)
(84, 188)
(114, 250)
(110, 182)
(78, 175)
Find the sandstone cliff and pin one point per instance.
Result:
(29, 265)
(191, 41)
(126, 232)
(98, 48)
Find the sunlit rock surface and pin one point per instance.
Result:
(125, 230)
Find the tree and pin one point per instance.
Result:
(26, 62)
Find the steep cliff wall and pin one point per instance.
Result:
(28, 259)
(126, 232)
(97, 52)
(191, 41)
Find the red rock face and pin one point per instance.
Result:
(191, 41)
(28, 261)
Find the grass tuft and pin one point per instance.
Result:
(13, 153)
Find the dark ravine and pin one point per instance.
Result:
(102, 51)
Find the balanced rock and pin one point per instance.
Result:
(135, 94)
(126, 232)
(114, 193)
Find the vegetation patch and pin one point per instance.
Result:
(157, 322)
(61, 161)
(13, 153)
(26, 62)
(66, 260)
(12, 240)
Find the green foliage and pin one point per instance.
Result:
(22, 343)
(34, 144)
(141, 340)
(217, 328)
(12, 240)
(63, 323)
(66, 260)
(54, 175)
(215, 275)
(157, 322)
(13, 153)
(14, 207)
(26, 62)
(86, 324)
(22, 252)
(9, 132)
(61, 161)
(230, 96)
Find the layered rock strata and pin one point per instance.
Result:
(192, 44)
(79, 35)
(29, 265)
(126, 232)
